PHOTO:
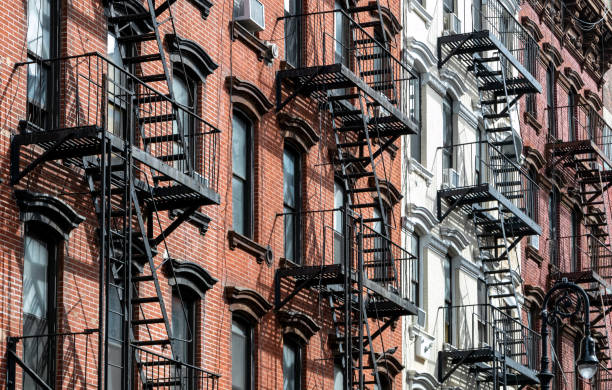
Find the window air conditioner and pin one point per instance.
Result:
(452, 23)
(450, 178)
(251, 14)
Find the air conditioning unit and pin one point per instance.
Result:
(534, 241)
(450, 178)
(452, 23)
(251, 14)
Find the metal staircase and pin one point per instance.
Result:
(135, 168)
(362, 97)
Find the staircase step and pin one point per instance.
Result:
(357, 175)
(142, 278)
(338, 98)
(366, 8)
(173, 157)
(352, 159)
(375, 23)
(364, 205)
(493, 101)
(502, 129)
(157, 118)
(151, 78)
(488, 73)
(351, 144)
(499, 284)
(129, 18)
(142, 58)
(486, 59)
(138, 301)
(374, 72)
(148, 321)
(497, 271)
(162, 138)
(370, 220)
(137, 38)
(362, 189)
(496, 116)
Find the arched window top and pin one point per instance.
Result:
(247, 303)
(532, 27)
(574, 78)
(186, 274)
(47, 210)
(553, 54)
(297, 131)
(298, 326)
(248, 98)
(191, 55)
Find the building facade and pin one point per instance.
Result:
(203, 194)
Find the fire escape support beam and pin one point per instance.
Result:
(278, 303)
(173, 226)
(512, 103)
(456, 366)
(381, 329)
(14, 359)
(450, 209)
(452, 53)
(17, 175)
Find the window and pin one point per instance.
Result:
(184, 331)
(448, 133)
(532, 194)
(117, 106)
(550, 100)
(242, 188)
(448, 299)
(42, 39)
(532, 340)
(185, 91)
(292, 365)
(116, 336)
(242, 355)
(553, 226)
(481, 288)
(39, 306)
(449, 6)
(415, 250)
(339, 222)
(341, 34)
(572, 111)
(293, 33)
(338, 377)
(574, 242)
(415, 139)
(291, 202)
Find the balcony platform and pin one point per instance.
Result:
(73, 144)
(466, 45)
(315, 81)
(519, 224)
(518, 375)
(585, 277)
(383, 302)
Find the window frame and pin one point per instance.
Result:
(553, 225)
(415, 277)
(448, 131)
(448, 298)
(250, 341)
(532, 197)
(574, 241)
(298, 32)
(297, 208)
(572, 111)
(248, 207)
(550, 100)
(192, 87)
(298, 362)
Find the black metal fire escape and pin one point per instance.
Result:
(126, 137)
(501, 56)
(580, 150)
(360, 89)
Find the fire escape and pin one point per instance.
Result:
(352, 75)
(492, 190)
(128, 139)
(580, 150)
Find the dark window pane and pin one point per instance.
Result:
(241, 355)
(289, 234)
(238, 205)
(240, 139)
(241, 181)
(291, 366)
(292, 33)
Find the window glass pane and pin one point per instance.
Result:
(241, 356)
(338, 377)
(292, 33)
(238, 205)
(35, 283)
(290, 366)
(290, 234)
(39, 27)
(181, 316)
(37, 84)
(289, 178)
(338, 204)
(240, 139)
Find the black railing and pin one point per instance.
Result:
(334, 37)
(478, 163)
(495, 18)
(581, 253)
(161, 372)
(334, 236)
(483, 326)
(95, 92)
(579, 123)
(62, 360)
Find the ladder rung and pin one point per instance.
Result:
(351, 144)
(486, 59)
(162, 138)
(364, 205)
(173, 157)
(157, 118)
(496, 116)
(375, 23)
(363, 189)
(137, 301)
(129, 18)
(142, 278)
(142, 58)
(357, 175)
(336, 98)
(151, 78)
(498, 129)
(370, 7)
(137, 38)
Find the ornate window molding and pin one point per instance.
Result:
(197, 219)
(422, 217)
(388, 365)
(298, 325)
(422, 381)
(455, 85)
(457, 240)
(390, 22)
(48, 210)
(389, 193)
(248, 97)
(297, 130)
(532, 28)
(263, 51)
(421, 54)
(190, 275)
(246, 302)
(553, 54)
(574, 78)
(594, 99)
(245, 244)
(192, 55)
(534, 157)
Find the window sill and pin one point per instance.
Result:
(532, 121)
(261, 253)
(533, 254)
(415, 167)
(421, 12)
(264, 53)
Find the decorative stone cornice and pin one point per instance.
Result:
(263, 51)
(197, 219)
(455, 238)
(248, 97)
(190, 275)
(553, 54)
(421, 216)
(297, 325)
(532, 27)
(204, 6)
(388, 365)
(390, 22)
(424, 380)
(594, 99)
(388, 191)
(574, 78)
(192, 55)
(468, 267)
(454, 82)
(261, 253)
(429, 79)
(422, 55)
(48, 210)
(534, 157)
(535, 294)
(532, 121)
(248, 303)
(437, 245)
(297, 130)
